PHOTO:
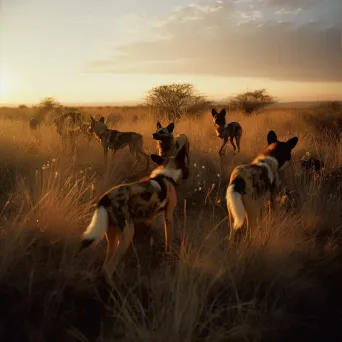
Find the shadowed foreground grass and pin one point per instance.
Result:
(284, 283)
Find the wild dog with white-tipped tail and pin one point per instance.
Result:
(122, 206)
(254, 185)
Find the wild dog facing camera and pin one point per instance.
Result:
(163, 133)
(219, 118)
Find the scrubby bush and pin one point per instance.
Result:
(174, 100)
(252, 101)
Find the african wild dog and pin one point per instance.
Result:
(226, 130)
(121, 207)
(169, 144)
(253, 185)
(115, 140)
(72, 134)
(311, 164)
(71, 119)
(34, 123)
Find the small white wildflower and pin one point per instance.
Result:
(203, 167)
(218, 175)
(53, 160)
(195, 164)
(200, 188)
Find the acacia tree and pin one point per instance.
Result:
(46, 106)
(173, 100)
(252, 101)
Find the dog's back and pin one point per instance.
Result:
(252, 186)
(116, 140)
(230, 130)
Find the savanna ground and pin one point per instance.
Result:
(284, 283)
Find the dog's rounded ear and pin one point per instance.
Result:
(102, 119)
(170, 127)
(159, 125)
(291, 143)
(271, 137)
(223, 112)
(157, 159)
(213, 112)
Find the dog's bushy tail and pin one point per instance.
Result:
(235, 206)
(97, 227)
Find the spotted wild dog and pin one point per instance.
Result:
(121, 207)
(252, 186)
(168, 144)
(73, 134)
(115, 140)
(226, 130)
(67, 121)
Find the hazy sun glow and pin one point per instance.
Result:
(79, 52)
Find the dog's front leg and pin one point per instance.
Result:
(275, 191)
(225, 140)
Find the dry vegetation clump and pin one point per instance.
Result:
(283, 284)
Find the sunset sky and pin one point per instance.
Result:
(113, 51)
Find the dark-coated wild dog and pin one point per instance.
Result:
(122, 206)
(115, 140)
(226, 131)
(34, 123)
(169, 144)
(254, 185)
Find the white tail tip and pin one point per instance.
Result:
(236, 207)
(97, 226)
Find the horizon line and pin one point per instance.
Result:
(135, 103)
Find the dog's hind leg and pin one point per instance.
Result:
(232, 143)
(112, 239)
(187, 152)
(238, 139)
(125, 240)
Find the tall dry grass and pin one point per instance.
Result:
(283, 283)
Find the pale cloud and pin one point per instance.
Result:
(290, 4)
(286, 11)
(228, 38)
